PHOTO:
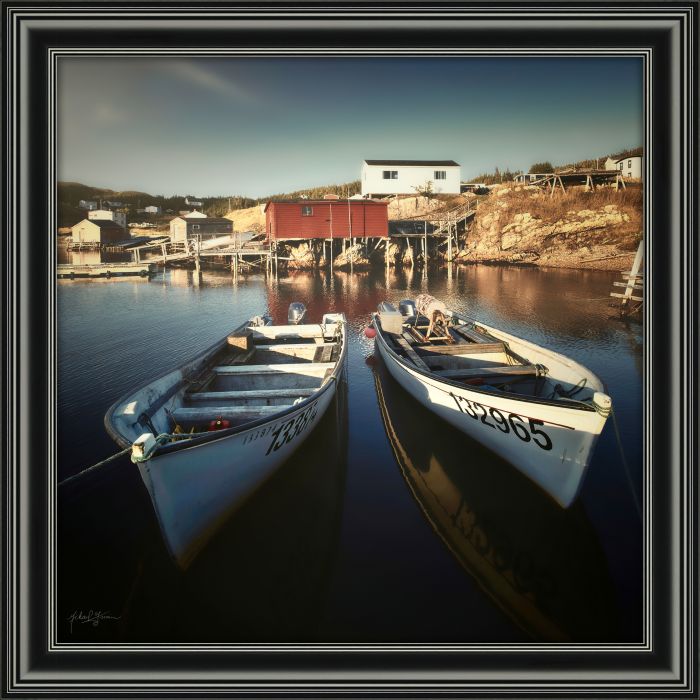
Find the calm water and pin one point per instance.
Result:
(387, 525)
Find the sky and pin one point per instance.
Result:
(255, 127)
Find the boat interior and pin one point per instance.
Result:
(462, 352)
(258, 371)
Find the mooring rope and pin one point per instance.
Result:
(637, 505)
(94, 467)
(160, 439)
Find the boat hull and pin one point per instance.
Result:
(550, 444)
(194, 490)
(197, 480)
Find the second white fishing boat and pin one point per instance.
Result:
(539, 410)
(207, 434)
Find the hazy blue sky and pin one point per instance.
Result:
(261, 126)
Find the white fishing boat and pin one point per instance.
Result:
(539, 410)
(207, 434)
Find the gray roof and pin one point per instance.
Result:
(104, 223)
(411, 162)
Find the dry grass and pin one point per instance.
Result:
(554, 208)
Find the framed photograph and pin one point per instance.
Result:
(350, 350)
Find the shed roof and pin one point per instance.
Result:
(103, 223)
(412, 162)
(207, 220)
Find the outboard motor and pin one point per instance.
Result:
(260, 321)
(407, 307)
(296, 313)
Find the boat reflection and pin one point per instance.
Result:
(541, 564)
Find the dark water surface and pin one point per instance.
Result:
(387, 525)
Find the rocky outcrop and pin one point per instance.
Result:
(302, 256)
(354, 256)
(525, 226)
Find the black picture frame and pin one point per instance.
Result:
(665, 35)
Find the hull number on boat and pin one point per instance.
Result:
(288, 430)
(514, 423)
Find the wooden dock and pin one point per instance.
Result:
(105, 270)
(234, 253)
(634, 286)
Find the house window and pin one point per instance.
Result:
(307, 211)
(390, 174)
(195, 227)
(441, 175)
(621, 165)
(629, 163)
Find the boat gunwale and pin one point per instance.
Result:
(225, 432)
(406, 364)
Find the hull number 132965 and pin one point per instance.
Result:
(512, 423)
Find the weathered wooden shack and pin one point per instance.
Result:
(97, 232)
(185, 227)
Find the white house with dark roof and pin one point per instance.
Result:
(386, 177)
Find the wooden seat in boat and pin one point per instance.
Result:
(239, 414)
(470, 372)
(466, 331)
(287, 368)
(291, 393)
(465, 349)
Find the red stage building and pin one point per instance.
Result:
(304, 219)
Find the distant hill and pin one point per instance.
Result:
(70, 194)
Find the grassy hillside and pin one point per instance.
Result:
(70, 194)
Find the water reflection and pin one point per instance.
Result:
(64, 256)
(111, 557)
(541, 564)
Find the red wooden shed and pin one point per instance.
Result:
(303, 219)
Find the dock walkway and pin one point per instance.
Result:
(104, 270)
